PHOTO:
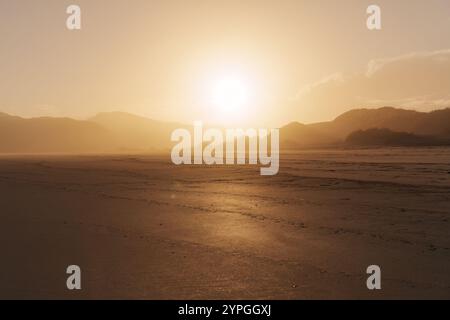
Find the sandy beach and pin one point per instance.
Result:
(140, 227)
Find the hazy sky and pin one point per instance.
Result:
(303, 60)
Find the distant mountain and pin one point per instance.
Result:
(435, 124)
(106, 132)
(386, 137)
(297, 136)
(131, 132)
(39, 135)
(124, 132)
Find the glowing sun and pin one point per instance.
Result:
(230, 95)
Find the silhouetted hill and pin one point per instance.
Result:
(386, 137)
(123, 132)
(436, 124)
(19, 135)
(106, 132)
(433, 123)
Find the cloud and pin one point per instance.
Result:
(418, 81)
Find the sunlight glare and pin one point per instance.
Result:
(230, 95)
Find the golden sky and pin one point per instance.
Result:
(286, 60)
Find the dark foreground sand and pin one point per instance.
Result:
(140, 227)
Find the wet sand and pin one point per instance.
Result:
(140, 227)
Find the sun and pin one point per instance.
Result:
(230, 95)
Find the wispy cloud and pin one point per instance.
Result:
(419, 80)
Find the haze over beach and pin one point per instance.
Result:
(356, 118)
